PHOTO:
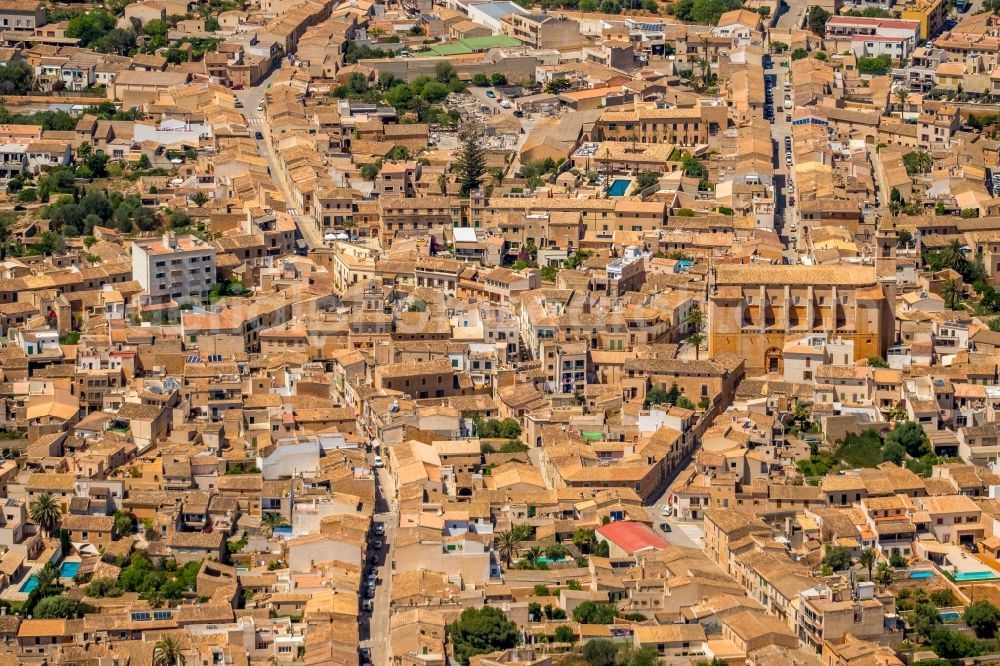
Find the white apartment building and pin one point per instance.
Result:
(173, 270)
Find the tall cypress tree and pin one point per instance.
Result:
(471, 162)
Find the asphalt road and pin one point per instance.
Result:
(793, 14)
(681, 532)
(375, 626)
(785, 215)
(251, 98)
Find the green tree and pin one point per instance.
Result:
(508, 543)
(867, 559)
(124, 523)
(480, 631)
(584, 539)
(918, 161)
(271, 520)
(902, 95)
(953, 645)
(893, 452)
(883, 575)
(645, 179)
(167, 652)
(556, 86)
(982, 617)
(799, 54)
(925, 617)
(910, 435)
(45, 512)
(877, 362)
(817, 20)
(591, 612)
(695, 320)
(877, 66)
(952, 294)
(532, 555)
(837, 558)
(15, 78)
(471, 161)
(444, 72)
(600, 652)
(564, 634)
(58, 606)
(199, 198)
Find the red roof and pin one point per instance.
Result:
(905, 24)
(631, 536)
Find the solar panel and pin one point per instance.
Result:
(154, 389)
(194, 359)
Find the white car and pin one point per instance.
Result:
(379, 462)
(668, 511)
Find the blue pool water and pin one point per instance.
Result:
(618, 187)
(975, 575)
(29, 585)
(921, 574)
(949, 615)
(69, 569)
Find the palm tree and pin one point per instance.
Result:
(696, 320)
(45, 512)
(867, 559)
(508, 542)
(167, 652)
(884, 576)
(270, 520)
(199, 199)
(47, 576)
(902, 95)
(951, 293)
(498, 175)
(951, 255)
(532, 555)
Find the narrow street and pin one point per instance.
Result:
(784, 215)
(793, 14)
(251, 98)
(377, 622)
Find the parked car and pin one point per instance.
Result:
(665, 527)
(258, 135)
(367, 605)
(379, 529)
(668, 511)
(378, 461)
(491, 94)
(377, 544)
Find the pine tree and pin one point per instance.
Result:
(471, 162)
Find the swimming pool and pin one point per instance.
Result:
(69, 569)
(618, 187)
(975, 575)
(949, 615)
(29, 585)
(919, 575)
